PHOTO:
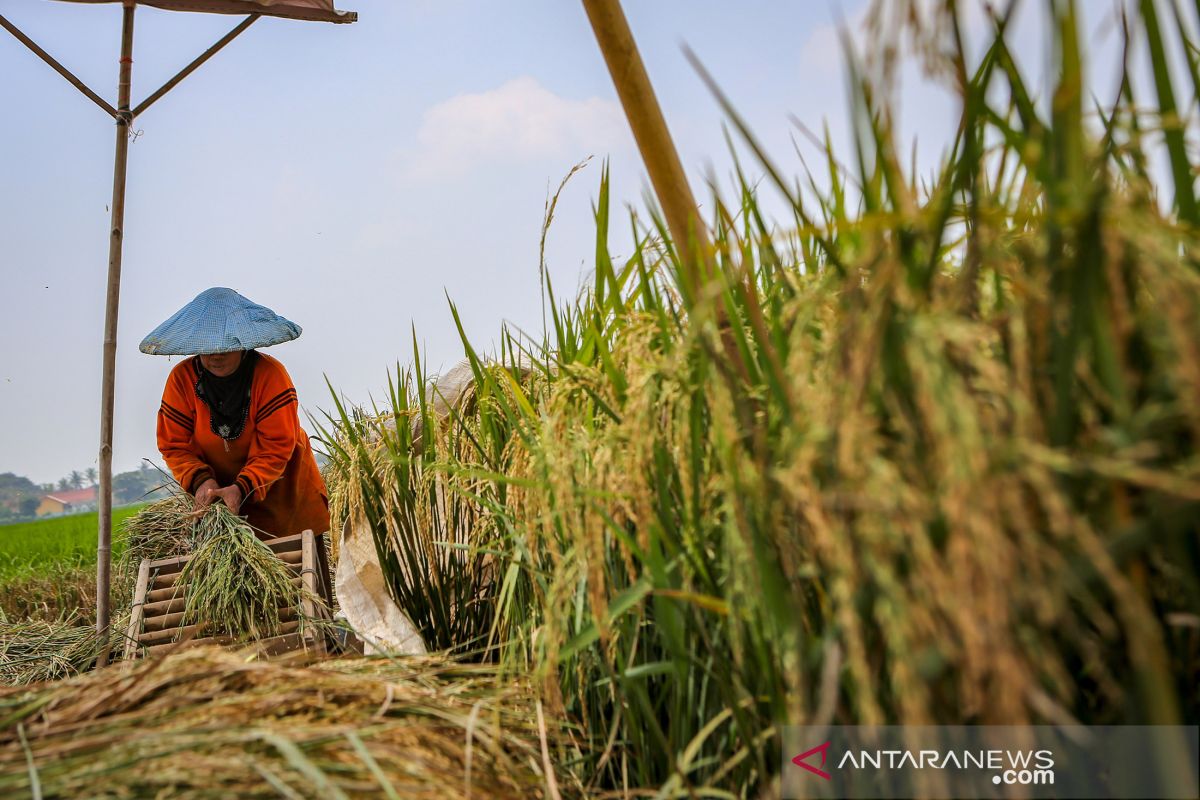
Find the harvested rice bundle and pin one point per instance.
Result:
(236, 585)
(32, 651)
(162, 529)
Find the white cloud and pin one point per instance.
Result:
(518, 121)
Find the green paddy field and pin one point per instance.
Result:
(48, 566)
(49, 545)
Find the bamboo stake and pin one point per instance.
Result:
(107, 391)
(652, 136)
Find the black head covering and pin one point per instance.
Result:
(228, 398)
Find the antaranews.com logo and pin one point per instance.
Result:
(1020, 767)
(1113, 762)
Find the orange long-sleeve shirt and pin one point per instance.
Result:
(271, 461)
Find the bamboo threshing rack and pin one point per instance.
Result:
(157, 623)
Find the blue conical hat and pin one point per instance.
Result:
(218, 321)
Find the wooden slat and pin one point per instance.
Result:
(158, 647)
(278, 645)
(139, 601)
(169, 566)
(293, 558)
(286, 544)
(170, 634)
(168, 606)
(158, 595)
(166, 581)
(173, 620)
(309, 576)
(175, 601)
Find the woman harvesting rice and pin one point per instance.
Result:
(228, 426)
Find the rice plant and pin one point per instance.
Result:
(927, 455)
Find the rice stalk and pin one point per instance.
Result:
(34, 651)
(163, 529)
(236, 585)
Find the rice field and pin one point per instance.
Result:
(48, 566)
(55, 543)
(921, 452)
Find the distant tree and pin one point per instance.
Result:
(48, 488)
(63, 484)
(76, 479)
(29, 506)
(128, 487)
(90, 473)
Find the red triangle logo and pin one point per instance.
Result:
(799, 760)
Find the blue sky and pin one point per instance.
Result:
(351, 177)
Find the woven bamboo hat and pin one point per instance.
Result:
(218, 321)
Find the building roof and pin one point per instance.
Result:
(74, 497)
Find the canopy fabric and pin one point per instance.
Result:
(314, 10)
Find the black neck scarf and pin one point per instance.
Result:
(228, 398)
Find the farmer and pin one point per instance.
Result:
(228, 426)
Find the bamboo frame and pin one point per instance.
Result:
(196, 63)
(139, 609)
(57, 67)
(159, 601)
(124, 117)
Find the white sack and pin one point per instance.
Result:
(363, 596)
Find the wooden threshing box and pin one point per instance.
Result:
(156, 625)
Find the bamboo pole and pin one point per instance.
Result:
(653, 138)
(107, 391)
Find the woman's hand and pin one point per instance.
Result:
(231, 496)
(206, 493)
(211, 491)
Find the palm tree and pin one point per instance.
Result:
(63, 484)
(76, 479)
(90, 474)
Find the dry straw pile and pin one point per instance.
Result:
(32, 651)
(208, 723)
